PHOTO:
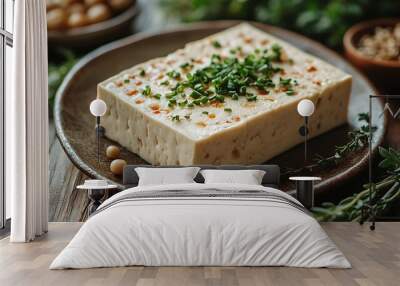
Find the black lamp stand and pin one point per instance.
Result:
(304, 132)
(369, 210)
(99, 134)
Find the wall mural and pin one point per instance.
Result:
(226, 94)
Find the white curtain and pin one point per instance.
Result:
(27, 124)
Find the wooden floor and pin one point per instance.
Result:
(375, 257)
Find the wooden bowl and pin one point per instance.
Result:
(95, 34)
(383, 71)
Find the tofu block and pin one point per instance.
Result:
(156, 111)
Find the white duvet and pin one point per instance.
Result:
(190, 231)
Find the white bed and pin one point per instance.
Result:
(203, 225)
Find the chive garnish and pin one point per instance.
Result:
(251, 97)
(186, 65)
(176, 118)
(165, 82)
(183, 103)
(276, 52)
(147, 91)
(205, 112)
(126, 80)
(174, 74)
(228, 109)
(142, 72)
(216, 44)
(229, 77)
(285, 82)
(172, 102)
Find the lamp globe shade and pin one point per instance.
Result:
(305, 107)
(98, 107)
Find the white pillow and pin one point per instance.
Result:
(248, 177)
(164, 176)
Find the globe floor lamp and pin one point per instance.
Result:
(98, 108)
(305, 184)
(305, 108)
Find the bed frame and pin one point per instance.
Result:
(271, 178)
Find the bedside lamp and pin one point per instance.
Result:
(98, 108)
(305, 108)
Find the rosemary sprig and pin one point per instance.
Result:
(384, 193)
(358, 139)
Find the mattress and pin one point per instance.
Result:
(201, 225)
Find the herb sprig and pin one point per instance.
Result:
(358, 139)
(384, 193)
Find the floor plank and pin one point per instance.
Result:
(375, 257)
(65, 203)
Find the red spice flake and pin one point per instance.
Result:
(154, 106)
(264, 42)
(139, 101)
(263, 92)
(216, 104)
(156, 111)
(132, 92)
(248, 40)
(119, 83)
(201, 124)
(317, 82)
(311, 69)
(236, 118)
(170, 62)
(131, 76)
(282, 72)
(139, 83)
(211, 116)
